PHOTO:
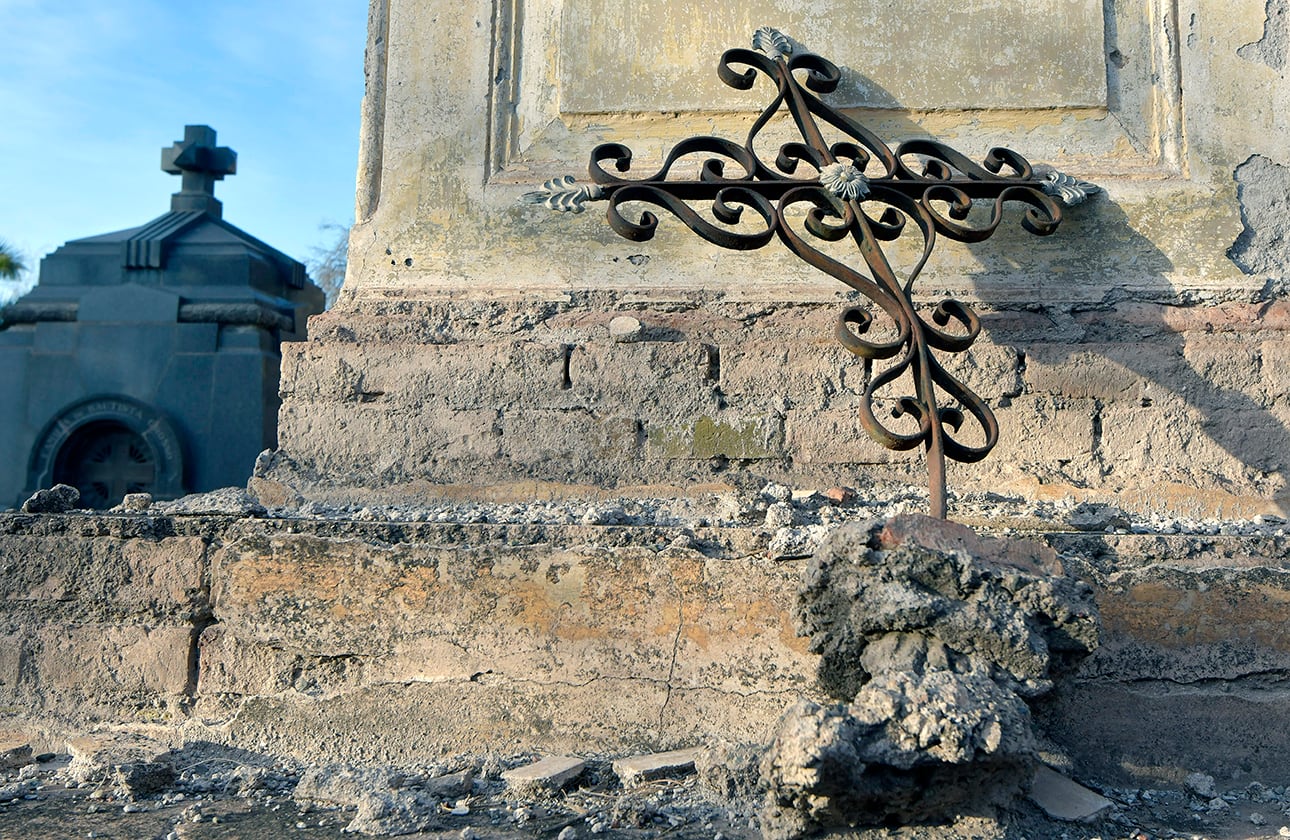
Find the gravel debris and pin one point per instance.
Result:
(215, 791)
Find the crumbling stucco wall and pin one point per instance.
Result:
(386, 642)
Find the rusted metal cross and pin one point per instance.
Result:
(922, 181)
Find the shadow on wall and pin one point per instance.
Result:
(1165, 390)
(1175, 391)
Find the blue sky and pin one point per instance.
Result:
(91, 91)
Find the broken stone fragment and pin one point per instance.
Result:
(450, 785)
(1201, 785)
(60, 498)
(840, 495)
(777, 492)
(731, 771)
(625, 328)
(909, 748)
(1064, 799)
(97, 757)
(227, 501)
(1090, 516)
(385, 813)
(977, 603)
(932, 638)
(778, 515)
(14, 753)
(274, 495)
(143, 778)
(342, 784)
(549, 774)
(665, 765)
(136, 502)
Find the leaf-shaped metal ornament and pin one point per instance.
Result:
(772, 43)
(563, 194)
(1068, 189)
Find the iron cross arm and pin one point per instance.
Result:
(820, 190)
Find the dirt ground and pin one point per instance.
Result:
(214, 800)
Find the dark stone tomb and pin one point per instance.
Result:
(147, 360)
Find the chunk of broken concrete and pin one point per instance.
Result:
(646, 768)
(932, 638)
(393, 813)
(1201, 785)
(14, 752)
(341, 784)
(1093, 516)
(227, 501)
(549, 774)
(730, 771)
(1064, 799)
(136, 502)
(924, 587)
(141, 778)
(910, 748)
(60, 498)
(450, 785)
(96, 757)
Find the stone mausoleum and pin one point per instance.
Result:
(146, 360)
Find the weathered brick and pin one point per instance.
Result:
(660, 379)
(384, 444)
(729, 434)
(833, 436)
(104, 574)
(1038, 429)
(807, 374)
(229, 664)
(1185, 623)
(107, 661)
(1276, 368)
(424, 613)
(987, 369)
(1221, 367)
(11, 656)
(1166, 438)
(1104, 371)
(1141, 319)
(461, 376)
(592, 442)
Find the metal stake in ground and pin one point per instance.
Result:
(859, 189)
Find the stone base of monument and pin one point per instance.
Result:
(394, 642)
(1170, 409)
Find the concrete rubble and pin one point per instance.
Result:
(932, 640)
(1063, 799)
(903, 649)
(549, 774)
(634, 769)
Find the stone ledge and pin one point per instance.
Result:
(319, 634)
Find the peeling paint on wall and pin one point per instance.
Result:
(1263, 189)
(1273, 47)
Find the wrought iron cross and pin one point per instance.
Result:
(922, 181)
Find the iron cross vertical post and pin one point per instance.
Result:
(922, 181)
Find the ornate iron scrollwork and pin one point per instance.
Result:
(857, 188)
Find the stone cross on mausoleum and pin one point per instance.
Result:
(819, 190)
(200, 163)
